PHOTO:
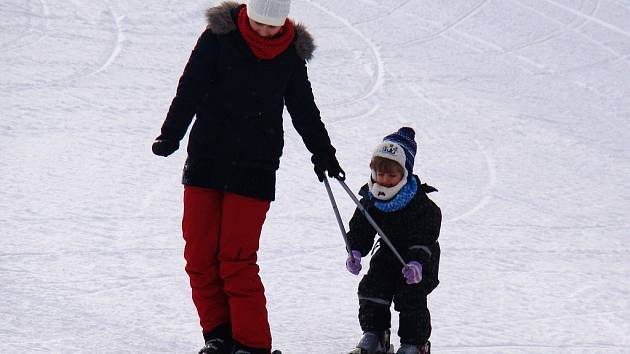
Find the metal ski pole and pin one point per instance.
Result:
(334, 206)
(369, 218)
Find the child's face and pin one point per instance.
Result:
(388, 179)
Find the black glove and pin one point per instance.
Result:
(323, 163)
(164, 147)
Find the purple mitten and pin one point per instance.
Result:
(413, 272)
(353, 262)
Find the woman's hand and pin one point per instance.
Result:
(323, 163)
(164, 147)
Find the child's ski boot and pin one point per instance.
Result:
(374, 342)
(415, 349)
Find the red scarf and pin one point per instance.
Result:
(265, 48)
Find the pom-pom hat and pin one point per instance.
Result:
(400, 147)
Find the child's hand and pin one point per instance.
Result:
(353, 262)
(413, 272)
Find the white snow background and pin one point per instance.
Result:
(522, 113)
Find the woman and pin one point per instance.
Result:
(247, 65)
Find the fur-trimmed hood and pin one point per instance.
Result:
(220, 22)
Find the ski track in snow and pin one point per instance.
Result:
(117, 43)
(522, 125)
(352, 117)
(573, 25)
(575, 30)
(591, 18)
(489, 161)
(487, 193)
(388, 12)
(449, 26)
(108, 57)
(377, 79)
(43, 31)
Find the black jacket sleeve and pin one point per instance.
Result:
(361, 233)
(304, 112)
(192, 87)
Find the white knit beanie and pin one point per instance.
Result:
(268, 12)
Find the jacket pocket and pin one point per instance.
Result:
(264, 142)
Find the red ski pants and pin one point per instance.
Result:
(222, 232)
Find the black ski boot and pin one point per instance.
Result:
(374, 342)
(215, 346)
(415, 349)
(218, 340)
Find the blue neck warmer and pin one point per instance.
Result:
(400, 200)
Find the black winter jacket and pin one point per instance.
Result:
(413, 230)
(237, 139)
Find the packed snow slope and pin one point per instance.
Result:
(522, 112)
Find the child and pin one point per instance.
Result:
(398, 202)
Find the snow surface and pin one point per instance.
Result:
(522, 109)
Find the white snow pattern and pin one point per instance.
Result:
(522, 111)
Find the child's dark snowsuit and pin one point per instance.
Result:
(414, 231)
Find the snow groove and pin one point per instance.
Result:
(118, 43)
(377, 78)
(487, 193)
(521, 112)
(43, 31)
(448, 26)
(590, 18)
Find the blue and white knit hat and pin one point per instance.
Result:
(400, 147)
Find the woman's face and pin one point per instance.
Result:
(264, 30)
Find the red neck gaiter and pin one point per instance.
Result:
(265, 48)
